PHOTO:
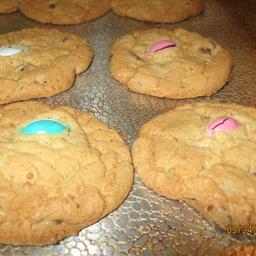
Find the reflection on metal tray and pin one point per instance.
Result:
(147, 224)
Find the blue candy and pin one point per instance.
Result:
(44, 126)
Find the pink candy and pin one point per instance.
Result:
(162, 45)
(222, 124)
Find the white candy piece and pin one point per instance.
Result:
(8, 51)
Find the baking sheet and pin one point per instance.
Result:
(147, 224)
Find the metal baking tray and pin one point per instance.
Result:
(146, 223)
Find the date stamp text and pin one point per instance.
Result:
(238, 229)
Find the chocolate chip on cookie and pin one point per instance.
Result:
(52, 6)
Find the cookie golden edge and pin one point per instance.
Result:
(60, 76)
(150, 181)
(30, 235)
(8, 6)
(239, 250)
(217, 82)
(139, 14)
(43, 17)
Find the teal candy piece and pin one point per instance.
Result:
(44, 126)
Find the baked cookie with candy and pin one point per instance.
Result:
(61, 170)
(37, 63)
(203, 154)
(64, 12)
(165, 11)
(170, 63)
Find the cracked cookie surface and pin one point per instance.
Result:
(216, 174)
(52, 186)
(166, 11)
(64, 12)
(8, 6)
(195, 66)
(47, 63)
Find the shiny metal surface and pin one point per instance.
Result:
(147, 224)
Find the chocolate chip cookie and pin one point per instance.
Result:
(170, 63)
(202, 154)
(36, 63)
(61, 170)
(166, 11)
(64, 12)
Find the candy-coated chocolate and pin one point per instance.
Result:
(9, 51)
(162, 45)
(222, 124)
(44, 126)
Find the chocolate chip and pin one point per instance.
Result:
(30, 175)
(52, 6)
(206, 50)
(64, 39)
(210, 207)
(58, 222)
(22, 68)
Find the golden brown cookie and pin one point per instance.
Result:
(45, 62)
(64, 12)
(61, 170)
(202, 154)
(166, 11)
(8, 6)
(240, 250)
(170, 63)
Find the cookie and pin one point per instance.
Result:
(36, 63)
(240, 250)
(170, 63)
(64, 12)
(165, 11)
(8, 6)
(61, 170)
(202, 154)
